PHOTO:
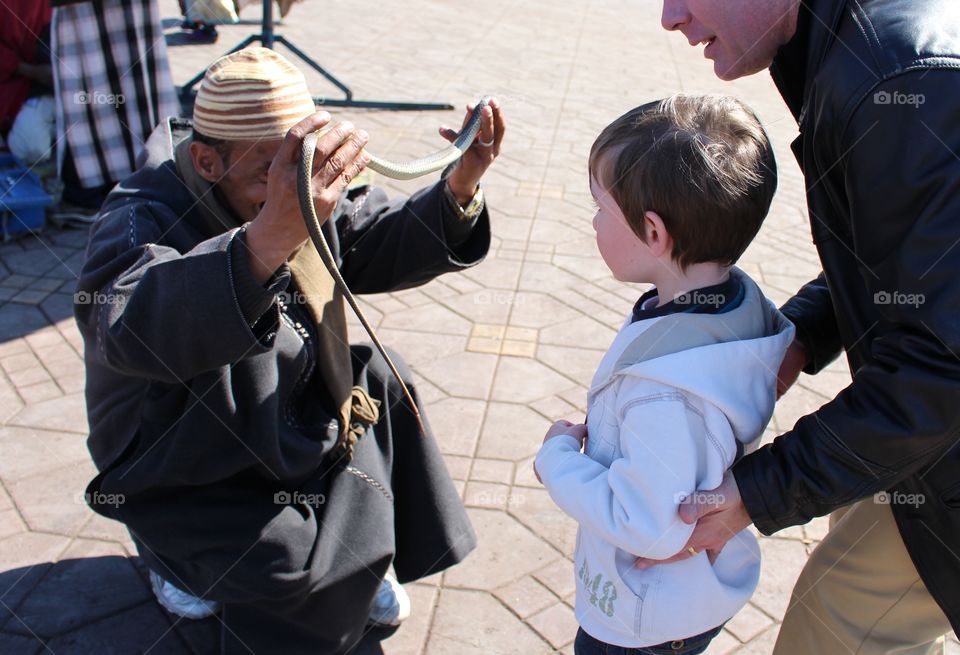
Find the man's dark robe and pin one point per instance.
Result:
(208, 423)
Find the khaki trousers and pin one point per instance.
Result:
(860, 593)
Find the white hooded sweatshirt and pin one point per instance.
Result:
(668, 405)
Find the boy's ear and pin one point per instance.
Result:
(207, 162)
(659, 240)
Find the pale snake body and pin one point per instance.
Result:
(399, 171)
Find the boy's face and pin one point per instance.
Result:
(743, 36)
(625, 254)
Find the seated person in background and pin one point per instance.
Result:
(26, 79)
(267, 467)
(682, 187)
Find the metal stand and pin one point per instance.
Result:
(267, 37)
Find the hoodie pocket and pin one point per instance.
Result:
(606, 606)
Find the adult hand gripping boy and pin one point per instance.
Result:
(720, 514)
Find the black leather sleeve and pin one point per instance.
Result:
(900, 415)
(811, 311)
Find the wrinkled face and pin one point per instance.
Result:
(243, 181)
(627, 257)
(741, 36)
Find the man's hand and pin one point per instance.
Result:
(476, 160)
(279, 228)
(576, 430)
(719, 515)
(794, 361)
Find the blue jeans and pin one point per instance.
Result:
(587, 645)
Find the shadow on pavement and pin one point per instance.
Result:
(103, 605)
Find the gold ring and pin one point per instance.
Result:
(692, 550)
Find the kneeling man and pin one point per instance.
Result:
(269, 470)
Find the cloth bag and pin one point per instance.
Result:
(31, 137)
(211, 11)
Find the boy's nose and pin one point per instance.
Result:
(675, 14)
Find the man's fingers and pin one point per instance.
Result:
(350, 171)
(694, 507)
(466, 117)
(487, 133)
(448, 133)
(337, 163)
(691, 511)
(491, 126)
(644, 563)
(690, 549)
(700, 503)
(290, 148)
(325, 197)
(329, 142)
(499, 126)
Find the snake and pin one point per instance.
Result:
(409, 170)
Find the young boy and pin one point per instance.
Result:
(682, 187)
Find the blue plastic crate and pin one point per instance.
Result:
(22, 199)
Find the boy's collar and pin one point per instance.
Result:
(714, 299)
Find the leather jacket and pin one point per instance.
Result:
(875, 87)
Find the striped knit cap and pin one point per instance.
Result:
(249, 95)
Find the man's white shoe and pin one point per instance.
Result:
(392, 604)
(390, 607)
(179, 602)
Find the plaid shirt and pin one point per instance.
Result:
(113, 84)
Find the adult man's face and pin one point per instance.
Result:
(742, 36)
(239, 173)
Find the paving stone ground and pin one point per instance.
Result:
(499, 351)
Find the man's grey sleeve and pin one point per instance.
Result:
(159, 313)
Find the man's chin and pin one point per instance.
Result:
(729, 73)
(724, 74)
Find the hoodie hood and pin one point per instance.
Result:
(730, 360)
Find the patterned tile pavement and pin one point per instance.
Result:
(498, 351)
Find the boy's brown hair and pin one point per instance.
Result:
(703, 163)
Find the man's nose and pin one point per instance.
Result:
(675, 15)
